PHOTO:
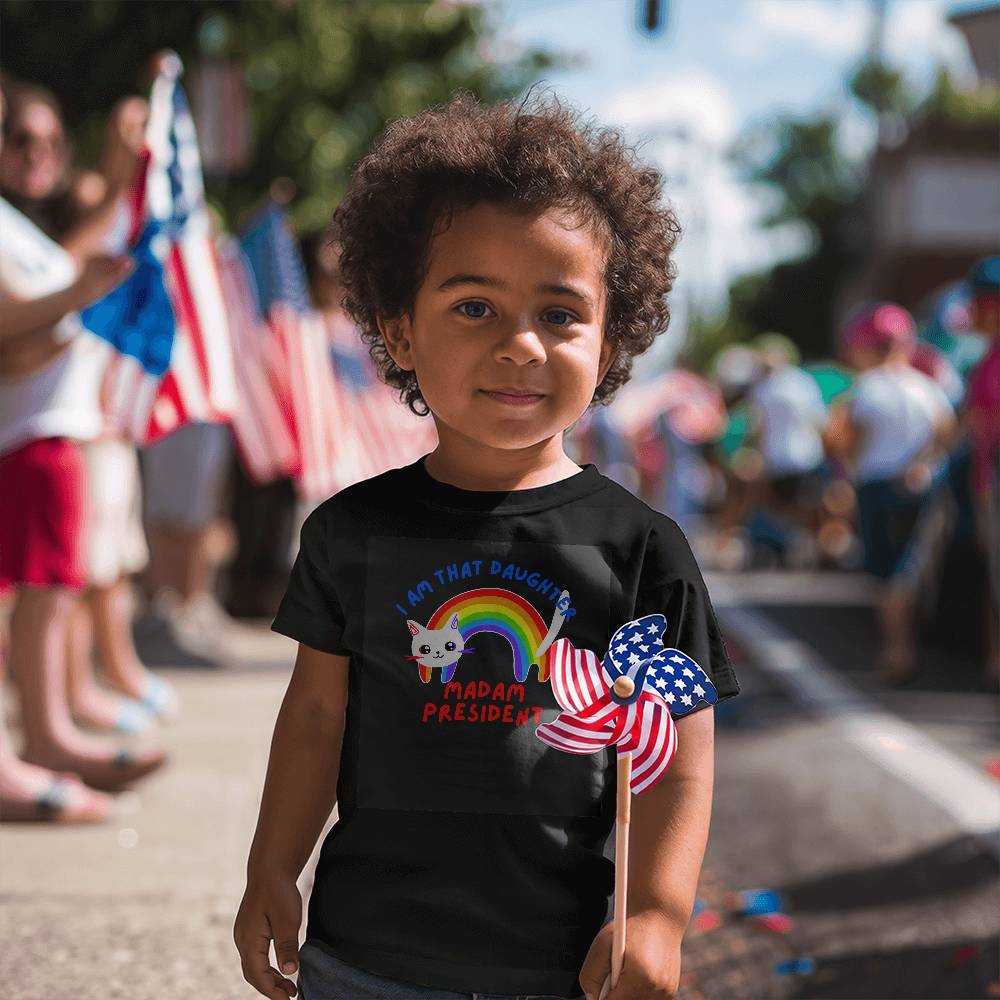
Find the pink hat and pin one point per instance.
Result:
(879, 325)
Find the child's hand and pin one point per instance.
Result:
(270, 911)
(652, 967)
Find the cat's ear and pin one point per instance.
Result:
(454, 620)
(415, 627)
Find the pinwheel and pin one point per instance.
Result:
(627, 699)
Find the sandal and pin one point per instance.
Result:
(65, 800)
(160, 698)
(125, 767)
(112, 775)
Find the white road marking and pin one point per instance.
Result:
(971, 798)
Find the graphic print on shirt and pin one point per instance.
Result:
(454, 674)
(441, 643)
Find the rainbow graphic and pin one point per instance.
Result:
(493, 609)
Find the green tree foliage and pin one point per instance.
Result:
(323, 76)
(818, 193)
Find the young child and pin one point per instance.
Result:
(505, 264)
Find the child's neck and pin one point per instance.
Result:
(507, 470)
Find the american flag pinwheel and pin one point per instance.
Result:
(627, 700)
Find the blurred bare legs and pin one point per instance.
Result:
(111, 612)
(179, 560)
(39, 633)
(91, 704)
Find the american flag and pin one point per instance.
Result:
(348, 425)
(305, 376)
(392, 434)
(263, 423)
(667, 683)
(172, 360)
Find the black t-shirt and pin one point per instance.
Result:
(469, 855)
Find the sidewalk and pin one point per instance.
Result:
(142, 907)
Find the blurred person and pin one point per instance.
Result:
(983, 419)
(935, 365)
(892, 431)
(734, 370)
(93, 217)
(789, 416)
(184, 483)
(50, 372)
(117, 547)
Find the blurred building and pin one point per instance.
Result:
(934, 189)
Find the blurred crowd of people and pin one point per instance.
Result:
(884, 459)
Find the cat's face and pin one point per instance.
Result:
(436, 647)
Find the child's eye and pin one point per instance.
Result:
(474, 305)
(565, 321)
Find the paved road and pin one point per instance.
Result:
(891, 894)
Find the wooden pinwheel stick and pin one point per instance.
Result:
(624, 687)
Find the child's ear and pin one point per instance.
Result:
(396, 336)
(608, 354)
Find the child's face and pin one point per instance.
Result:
(511, 301)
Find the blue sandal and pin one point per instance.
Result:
(159, 697)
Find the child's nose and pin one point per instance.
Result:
(521, 344)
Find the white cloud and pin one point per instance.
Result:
(916, 34)
(917, 38)
(838, 28)
(695, 101)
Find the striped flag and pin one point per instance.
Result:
(263, 422)
(306, 381)
(666, 683)
(386, 433)
(347, 424)
(171, 360)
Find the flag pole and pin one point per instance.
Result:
(625, 687)
(621, 865)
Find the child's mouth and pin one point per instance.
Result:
(513, 398)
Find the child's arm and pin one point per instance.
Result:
(668, 832)
(300, 790)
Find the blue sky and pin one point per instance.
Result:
(720, 65)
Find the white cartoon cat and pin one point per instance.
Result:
(437, 647)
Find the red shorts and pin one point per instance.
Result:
(42, 515)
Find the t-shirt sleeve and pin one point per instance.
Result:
(310, 611)
(672, 584)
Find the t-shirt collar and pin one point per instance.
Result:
(446, 496)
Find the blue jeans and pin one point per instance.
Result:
(323, 976)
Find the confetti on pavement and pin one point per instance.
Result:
(755, 902)
(707, 921)
(777, 922)
(796, 967)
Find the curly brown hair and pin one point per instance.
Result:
(531, 156)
